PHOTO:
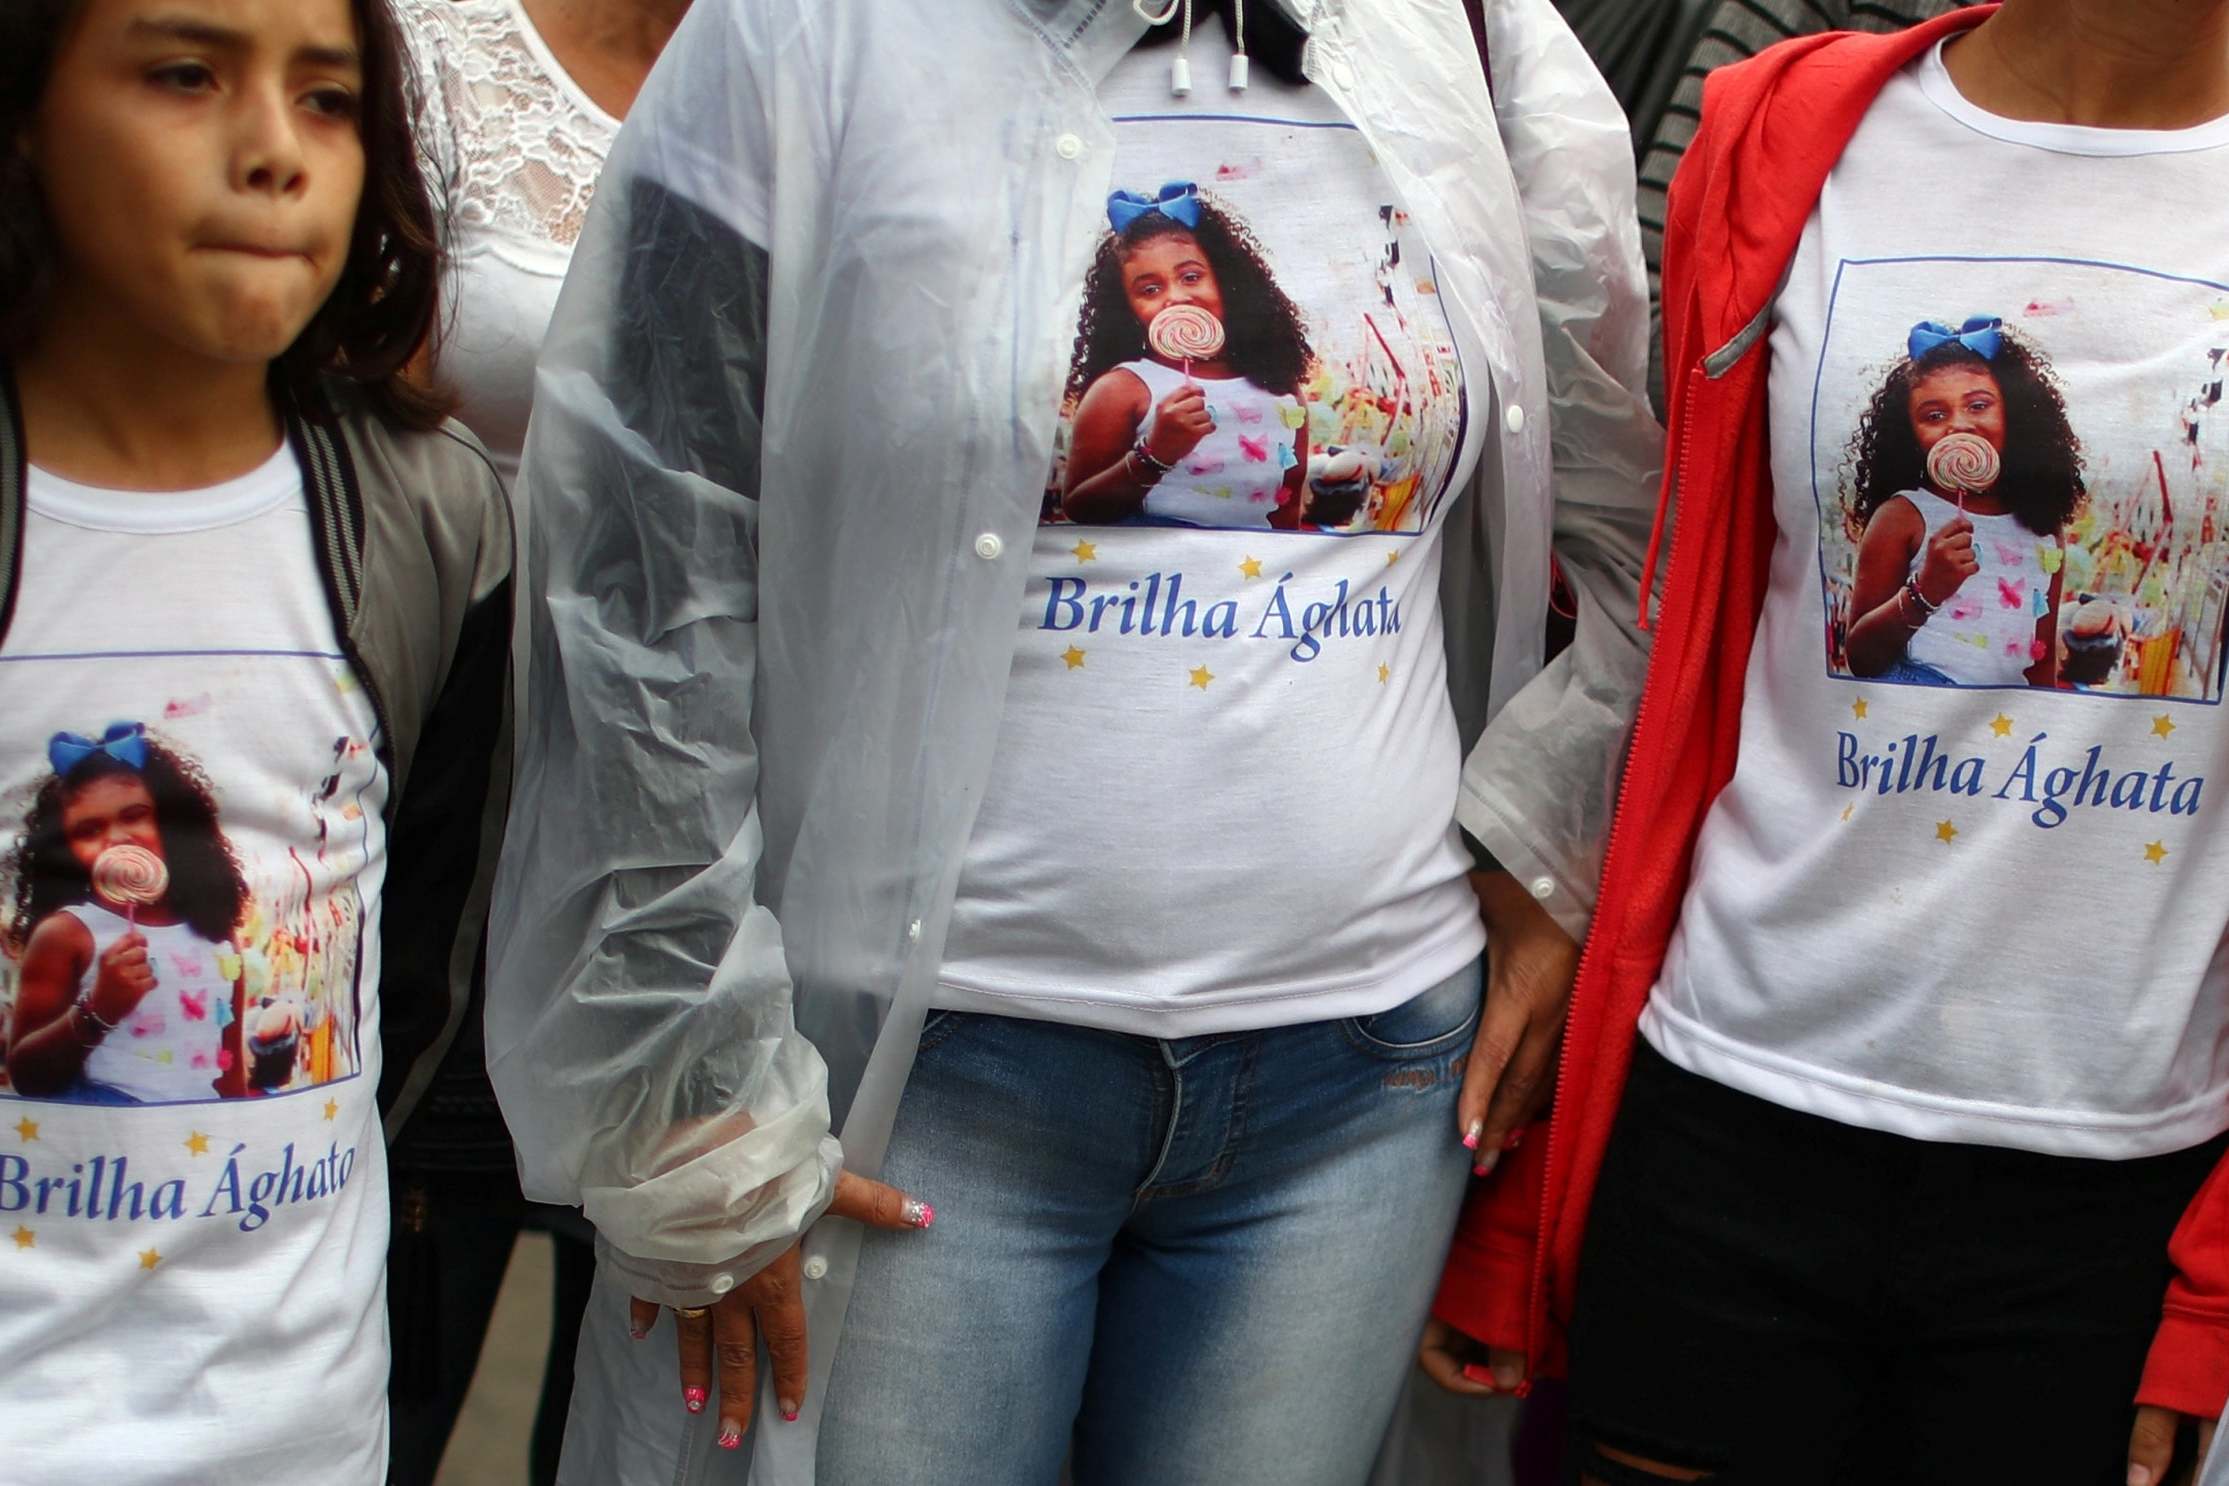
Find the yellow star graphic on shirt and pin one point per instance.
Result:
(2163, 725)
(332, 1108)
(2001, 725)
(24, 1237)
(1393, 557)
(27, 1128)
(1945, 832)
(149, 1258)
(1251, 567)
(1085, 552)
(198, 1143)
(1201, 676)
(1857, 709)
(2156, 853)
(1385, 673)
(1848, 811)
(1074, 657)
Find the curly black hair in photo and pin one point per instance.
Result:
(2042, 467)
(1268, 342)
(386, 305)
(206, 886)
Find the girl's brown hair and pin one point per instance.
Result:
(382, 313)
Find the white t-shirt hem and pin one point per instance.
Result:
(1242, 1009)
(1871, 1105)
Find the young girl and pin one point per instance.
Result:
(223, 506)
(1958, 583)
(120, 1002)
(1221, 441)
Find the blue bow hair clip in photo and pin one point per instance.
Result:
(125, 742)
(1984, 335)
(1179, 201)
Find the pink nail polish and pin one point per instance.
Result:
(1516, 1139)
(789, 1412)
(1486, 1163)
(731, 1438)
(1470, 1138)
(1478, 1372)
(637, 1333)
(916, 1213)
(695, 1398)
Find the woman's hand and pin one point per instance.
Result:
(1460, 1365)
(122, 977)
(1948, 560)
(1530, 965)
(2151, 1445)
(719, 1344)
(1180, 421)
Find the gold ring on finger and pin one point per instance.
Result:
(689, 1313)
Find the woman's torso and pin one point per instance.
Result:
(1988, 913)
(517, 147)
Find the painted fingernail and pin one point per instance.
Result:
(637, 1332)
(789, 1410)
(1473, 1135)
(695, 1398)
(1478, 1372)
(1516, 1139)
(2139, 1475)
(731, 1438)
(1486, 1163)
(916, 1213)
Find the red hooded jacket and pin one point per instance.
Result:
(1772, 129)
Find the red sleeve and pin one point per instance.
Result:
(2188, 1370)
(1487, 1287)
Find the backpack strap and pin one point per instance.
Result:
(13, 502)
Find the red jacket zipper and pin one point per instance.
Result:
(1536, 1316)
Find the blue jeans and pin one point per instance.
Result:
(1198, 1260)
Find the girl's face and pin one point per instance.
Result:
(113, 810)
(201, 166)
(1171, 268)
(1959, 398)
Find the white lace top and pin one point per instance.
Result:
(514, 150)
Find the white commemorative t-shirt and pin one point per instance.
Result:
(1972, 885)
(193, 1221)
(1224, 793)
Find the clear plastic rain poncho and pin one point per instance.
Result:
(791, 428)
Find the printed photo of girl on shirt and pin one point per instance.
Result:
(2030, 491)
(1199, 396)
(144, 971)
(1965, 474)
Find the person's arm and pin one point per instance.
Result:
(2187, 1374)
(1886, 613)
(639, 1024)
(1539, 787)
(49, 1035)
(1108, 479)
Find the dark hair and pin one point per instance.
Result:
(381, 312)
(2042, 469)
(1268, 343)
(205, 882)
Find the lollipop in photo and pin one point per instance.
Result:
(1964, 462)
(1185, 333)
(130, 877)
